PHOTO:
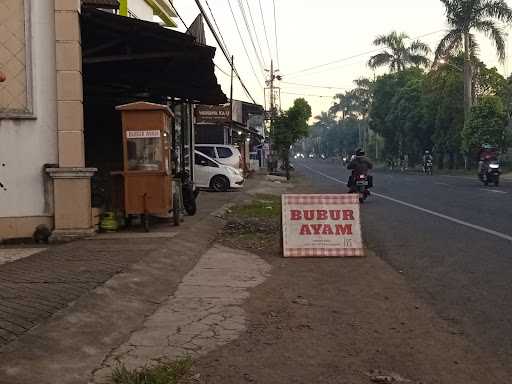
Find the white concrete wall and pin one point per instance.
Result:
(141, 9)
(26, 145)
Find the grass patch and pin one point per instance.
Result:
(163, 372)
(263, 207)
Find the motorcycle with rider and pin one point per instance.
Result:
(488, 165)
(428, 163)
(360, 181)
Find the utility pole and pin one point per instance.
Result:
(272, 112)
(271, 92)
(231, 99)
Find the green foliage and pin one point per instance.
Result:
(412, 110)
(444, 108)
(466, 16)
(398, 54)
(264, 206)
(487, 124)
(388, 116)
(163, 372)
(291, 126)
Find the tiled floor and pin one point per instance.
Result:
(11, 254)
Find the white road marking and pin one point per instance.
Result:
(418, 208)
(475, 178)
(493, 191)
(445, 184)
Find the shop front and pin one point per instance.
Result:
(142, 62)
(238, 123)
(60, 134)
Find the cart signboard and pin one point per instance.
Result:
(155, 133)
(321, 226)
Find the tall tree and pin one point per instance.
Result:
(345, 103)
(290, 127)
(487, 124)
(398, 54)
(464, 17)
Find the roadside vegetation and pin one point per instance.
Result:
(448, 102)
(254, 225)
(163, 372)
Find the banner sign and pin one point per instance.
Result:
(143, 134)
(321, 226)
(212, 113)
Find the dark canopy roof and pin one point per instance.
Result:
(107, 4)
(131, 59)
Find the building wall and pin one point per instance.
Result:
(145, 9)
(140, 9)
(26, 144)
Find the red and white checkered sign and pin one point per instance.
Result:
(321, 226)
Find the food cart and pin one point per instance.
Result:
(144, 186)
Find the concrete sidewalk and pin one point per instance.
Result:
(64, 310)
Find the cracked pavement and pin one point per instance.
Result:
(204, 313)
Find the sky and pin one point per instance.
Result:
(313, 33)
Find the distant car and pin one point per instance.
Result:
(224, 154)
(209, 173)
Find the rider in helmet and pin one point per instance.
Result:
(359, 164)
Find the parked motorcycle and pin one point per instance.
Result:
(491, 175)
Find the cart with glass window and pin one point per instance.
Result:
(146, 185)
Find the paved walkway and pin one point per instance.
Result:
(203, 314)
(62, 311)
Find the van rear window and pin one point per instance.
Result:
(224, 152)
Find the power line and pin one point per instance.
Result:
(275, 33)
(355, 56)
(265, 29)
(255, 32)
(247, 26)
(222, 70)
(218, 29)
(365, 61)
(242, 40)
(177, 14)
(312, 85)
(307, 95)
(223, 49)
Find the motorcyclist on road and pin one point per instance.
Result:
(359, 164)
(427, 158)
(487, 154)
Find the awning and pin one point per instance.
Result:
(131, 59)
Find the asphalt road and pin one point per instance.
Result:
(451, 237)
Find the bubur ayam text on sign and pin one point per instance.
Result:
(319, 215)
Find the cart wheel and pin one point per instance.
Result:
(176, 210)
(146, 222)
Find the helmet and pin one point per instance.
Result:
(359, 152)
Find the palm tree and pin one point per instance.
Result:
(322, 124)
(464, 17)
(325, 119)
(399, 55)
(363, 94)
(346, 104)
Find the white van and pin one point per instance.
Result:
(224, 154)
(208, 173)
